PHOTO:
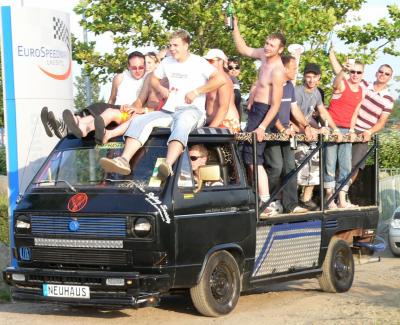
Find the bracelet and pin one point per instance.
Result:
(262, 127)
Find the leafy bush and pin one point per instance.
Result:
(389, 145)
(3, 166)
(4, 233)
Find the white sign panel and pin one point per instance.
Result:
(36, 73)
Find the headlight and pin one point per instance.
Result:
(395, 223)
(142, 227)
(22, 224)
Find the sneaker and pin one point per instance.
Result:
(58, 126)
(117, 165)
(310, 205)
(277, 206)
(267, 213)
(44, 116)
(164, 171)
(299, 209)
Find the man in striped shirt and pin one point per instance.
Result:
(374, 112)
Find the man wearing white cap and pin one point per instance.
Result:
(220, 103)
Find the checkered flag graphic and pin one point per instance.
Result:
(61, 31)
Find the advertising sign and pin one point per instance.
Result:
(36, 58)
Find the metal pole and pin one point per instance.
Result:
(376, 142)
(321, 173)
(255, 174)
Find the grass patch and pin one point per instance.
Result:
(4, 233)
(5, 295)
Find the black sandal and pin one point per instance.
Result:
(73, 126)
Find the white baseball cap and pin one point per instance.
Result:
(216, 53)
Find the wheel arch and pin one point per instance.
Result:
(234, 249)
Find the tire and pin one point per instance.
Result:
(218, 291)
(338, 268)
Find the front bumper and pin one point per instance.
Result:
(139, 290)
(394, 240)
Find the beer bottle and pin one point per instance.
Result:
(229, 16)
(328, 44)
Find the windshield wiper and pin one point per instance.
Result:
(73, 189)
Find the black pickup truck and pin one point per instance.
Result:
(86, 237)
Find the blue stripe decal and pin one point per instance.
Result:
(285, 227)
(11, 119)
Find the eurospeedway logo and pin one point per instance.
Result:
(53, 57)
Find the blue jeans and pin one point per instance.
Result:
(183, 121)
(340, 154)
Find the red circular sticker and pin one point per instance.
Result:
(77, 202)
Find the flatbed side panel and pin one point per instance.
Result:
(286, 247)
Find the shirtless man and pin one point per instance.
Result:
(220, 103)
(267, 97)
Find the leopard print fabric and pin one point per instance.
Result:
(248, 137)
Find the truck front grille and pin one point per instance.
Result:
(82, 256)
(83, 226)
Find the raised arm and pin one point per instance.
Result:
(241, 45)
(336, 66)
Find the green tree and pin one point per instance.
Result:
(138, 23)
(80, 98)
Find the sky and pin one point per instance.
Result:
(371, 11)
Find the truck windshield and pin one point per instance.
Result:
(80, 167)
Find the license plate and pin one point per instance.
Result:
(66, 291)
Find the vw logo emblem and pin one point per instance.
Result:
(73, 225)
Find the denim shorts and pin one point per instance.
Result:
(183, 121)
(255, 117)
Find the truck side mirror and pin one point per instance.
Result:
(208, 173)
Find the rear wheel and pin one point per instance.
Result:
(338, 268)
(218, 291)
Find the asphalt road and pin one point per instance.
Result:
(373, 299)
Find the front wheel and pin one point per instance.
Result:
(338, 268)
(218, 291)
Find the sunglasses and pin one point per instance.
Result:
(134, 68)
(233, 67)
(194, 158)
(356, 72)
(385, 73)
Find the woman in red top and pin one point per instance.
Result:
(344, 106)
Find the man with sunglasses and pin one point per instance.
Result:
(220, 105)
(126, 85)
(198, 154)
(234, 72)
(374, 112)
(343, 108)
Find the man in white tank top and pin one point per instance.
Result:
(126, 85)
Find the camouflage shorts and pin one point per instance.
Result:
(309, 174)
